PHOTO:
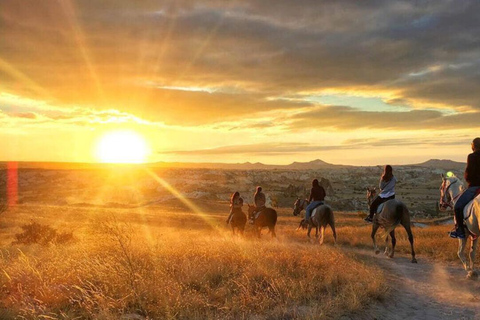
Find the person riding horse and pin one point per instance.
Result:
(236, 202)
(472, 176)
(316, 198)
(259, 200)
(387, 191)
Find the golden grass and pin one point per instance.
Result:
(152, 263)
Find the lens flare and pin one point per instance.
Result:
(122, 147)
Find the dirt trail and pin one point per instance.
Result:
(427, 290)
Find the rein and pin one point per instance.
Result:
(452, 200)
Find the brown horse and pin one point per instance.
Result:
(321, 217)
(393, 213)
(265, 218)
(238, 220)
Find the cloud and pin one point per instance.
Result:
(347, 118)
(288, 148)
(97, 55)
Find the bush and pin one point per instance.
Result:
(42, 234)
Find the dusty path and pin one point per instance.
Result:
(427, 290)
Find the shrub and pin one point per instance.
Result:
(42, 234)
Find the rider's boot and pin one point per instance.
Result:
(458, 233)
(368, 219)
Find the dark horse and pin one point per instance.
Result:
(392, 214)
(266, 218)
(238, 220)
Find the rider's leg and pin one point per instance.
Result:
(462, 201)
(309, 209)
(230, 216)
(373, 208)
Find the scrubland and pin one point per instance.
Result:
(162, 263)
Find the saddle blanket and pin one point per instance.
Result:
(314, 211)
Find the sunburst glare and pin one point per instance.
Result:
(122, 147)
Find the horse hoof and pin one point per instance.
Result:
(377, 251)
(390, 256)
(472, 275)
(414, 260)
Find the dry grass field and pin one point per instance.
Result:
(164, 262)
(133, 250)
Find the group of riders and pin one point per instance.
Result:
(387, 191)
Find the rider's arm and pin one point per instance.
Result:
(469, 169)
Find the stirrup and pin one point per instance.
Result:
(456, 235)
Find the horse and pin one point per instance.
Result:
(238, 220)
(265, 218)
(450, 190)
(393, 212)
(321, 217)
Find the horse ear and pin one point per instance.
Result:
(443, 177)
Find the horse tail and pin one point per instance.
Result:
(329, 215)
(274, 218)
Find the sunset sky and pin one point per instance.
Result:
(274, 81)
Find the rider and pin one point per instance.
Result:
(235, 203)
(259, 200)
(317, 195)
(472, 176)
(387, 191)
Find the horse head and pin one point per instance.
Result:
(299, 205)
(296, 207)
(450, 190)
(371, 193)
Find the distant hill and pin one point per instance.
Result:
(442, 164)
(315, 164)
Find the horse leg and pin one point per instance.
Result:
(272, 231)
(387, 251)
(462, 244)
(322, 234)
(309, 229)
(374, 231)
(394, 242)
(410, 238)
(332, 225)
(472, 273)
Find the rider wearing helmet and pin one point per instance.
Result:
(472, 176)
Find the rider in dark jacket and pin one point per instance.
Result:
(472, 176)
(317, 195)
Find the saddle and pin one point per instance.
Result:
(380, 207)
(314, 210)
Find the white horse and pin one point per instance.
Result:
(450, 191)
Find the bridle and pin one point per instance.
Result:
(371, 193)
(446, 201)
(299, 206)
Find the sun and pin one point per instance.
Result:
(122, 147)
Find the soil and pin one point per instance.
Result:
(426, 290)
